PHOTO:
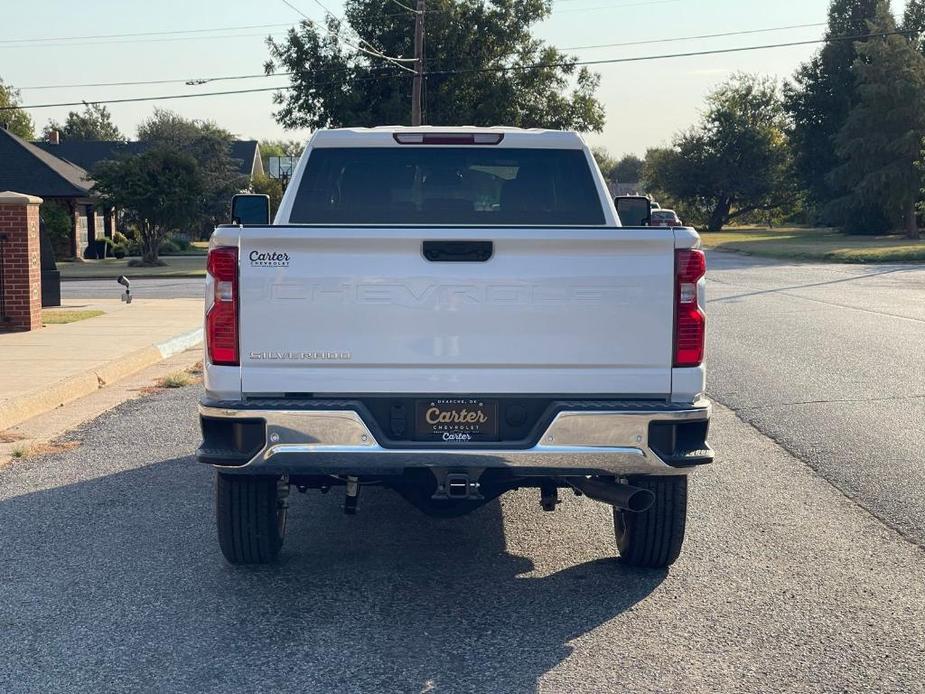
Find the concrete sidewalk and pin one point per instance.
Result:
(46, 368)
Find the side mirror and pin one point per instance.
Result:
(633, 210)
(250, 208)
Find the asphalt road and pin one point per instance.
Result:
(166, 288)
(113, 581)
(828, 361)
(825, 359)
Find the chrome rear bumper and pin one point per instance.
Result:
(323, 442)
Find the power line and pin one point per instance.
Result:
(510, 68)
(190, 96)
(694, 38)
(715, 51)
(395, 61)
(373, 51)
(192, 81)
(203, 80)
(142, 34)
(450, 10)
(134, 41)
(410, 9)
(197, 34)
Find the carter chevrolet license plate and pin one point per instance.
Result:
(456, 420)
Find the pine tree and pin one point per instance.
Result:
(881, 140)
(914, 23)
(819, 100)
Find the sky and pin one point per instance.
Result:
(646, 102)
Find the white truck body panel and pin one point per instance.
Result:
(358, 309)
(553, 311)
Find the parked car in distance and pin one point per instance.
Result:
(654, 205)
(665, 218)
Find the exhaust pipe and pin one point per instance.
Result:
(622, 496)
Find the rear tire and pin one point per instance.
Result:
(250, 513)
(653, 539)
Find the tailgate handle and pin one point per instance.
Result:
(458, 251)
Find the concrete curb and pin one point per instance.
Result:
(30, 405)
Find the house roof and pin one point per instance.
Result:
(25, 168)
(87, 154)
(248, 153)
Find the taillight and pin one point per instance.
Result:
(689, 321)
(222, 318)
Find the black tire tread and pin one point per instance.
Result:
(653, 539)
(246, 517)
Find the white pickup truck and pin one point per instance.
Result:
(453, 313)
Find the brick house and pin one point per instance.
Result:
(29, 169)
(88, 153)
(58, 171)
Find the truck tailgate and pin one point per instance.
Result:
(361, 310)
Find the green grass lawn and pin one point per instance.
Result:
(177, 266)
(62, 316)
(804, 243)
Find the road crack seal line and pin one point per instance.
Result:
(792, 295)
(854, 500)
(834, 401)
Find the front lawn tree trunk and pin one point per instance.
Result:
(720, 215)
(150, 244)
(909, 218)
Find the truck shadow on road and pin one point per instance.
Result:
(119, 579)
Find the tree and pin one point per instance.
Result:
(736, 161)
(881, 141)
(16, 120)
(160, 191)
(210, 147)
(629, 169)
(914, 23)
(273, 187)
(819, 100)
(165, 127)
(605, 162)
(336, 85)
(279, 148)
(95, 123)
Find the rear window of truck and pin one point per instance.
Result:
(447, 186)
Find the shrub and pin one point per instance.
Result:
(138, 262)
(57, 220)
(128, 241)
(169, 247)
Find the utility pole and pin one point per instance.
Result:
(418, 64)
